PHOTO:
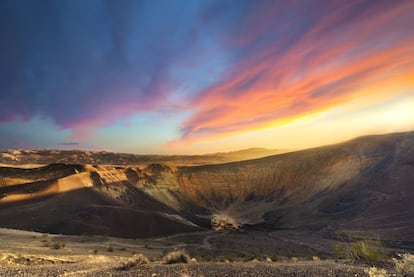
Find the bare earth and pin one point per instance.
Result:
(32, 254)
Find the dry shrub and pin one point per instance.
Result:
(404, 265)
(137, 259)
(57, 245)
(177, 257)
(375, 272)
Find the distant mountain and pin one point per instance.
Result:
(365, 184)
(18, 157)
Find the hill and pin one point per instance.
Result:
(362, 185)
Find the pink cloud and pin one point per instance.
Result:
(331, 63)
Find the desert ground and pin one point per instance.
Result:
(329, 211)
(26, 253)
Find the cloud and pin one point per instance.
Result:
(229, 66)
(345, 51)
(89, 64)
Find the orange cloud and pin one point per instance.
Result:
(335, 61)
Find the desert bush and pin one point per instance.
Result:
(339, 249)
(248, 258)
(137, 259)
(110, 249)
(375, 272)
(176, 257)
(370, 252)
(46, 244)
(404, 265)
(274, 257)
(361, 251)
(56, 245)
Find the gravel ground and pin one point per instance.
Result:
(255, 269)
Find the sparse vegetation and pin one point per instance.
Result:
(110, 249)
(176, 257)
(95, 251)
(46, 244)
(376, 272)
(248, 258)
(137, 259)
(404, 265)
(57, 245)
(274, 257)
(370, 252)
(339, 250)
(363, 252)
(224, 222)
(315, 258)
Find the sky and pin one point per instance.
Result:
(190, 76)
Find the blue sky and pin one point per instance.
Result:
(188, 76)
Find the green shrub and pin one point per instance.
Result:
(404, 265)
(361, 251)
(56, 245)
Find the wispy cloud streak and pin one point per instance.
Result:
(346, 53)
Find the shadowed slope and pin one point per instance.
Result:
(84, 203)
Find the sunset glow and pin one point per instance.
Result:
(203, 76)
